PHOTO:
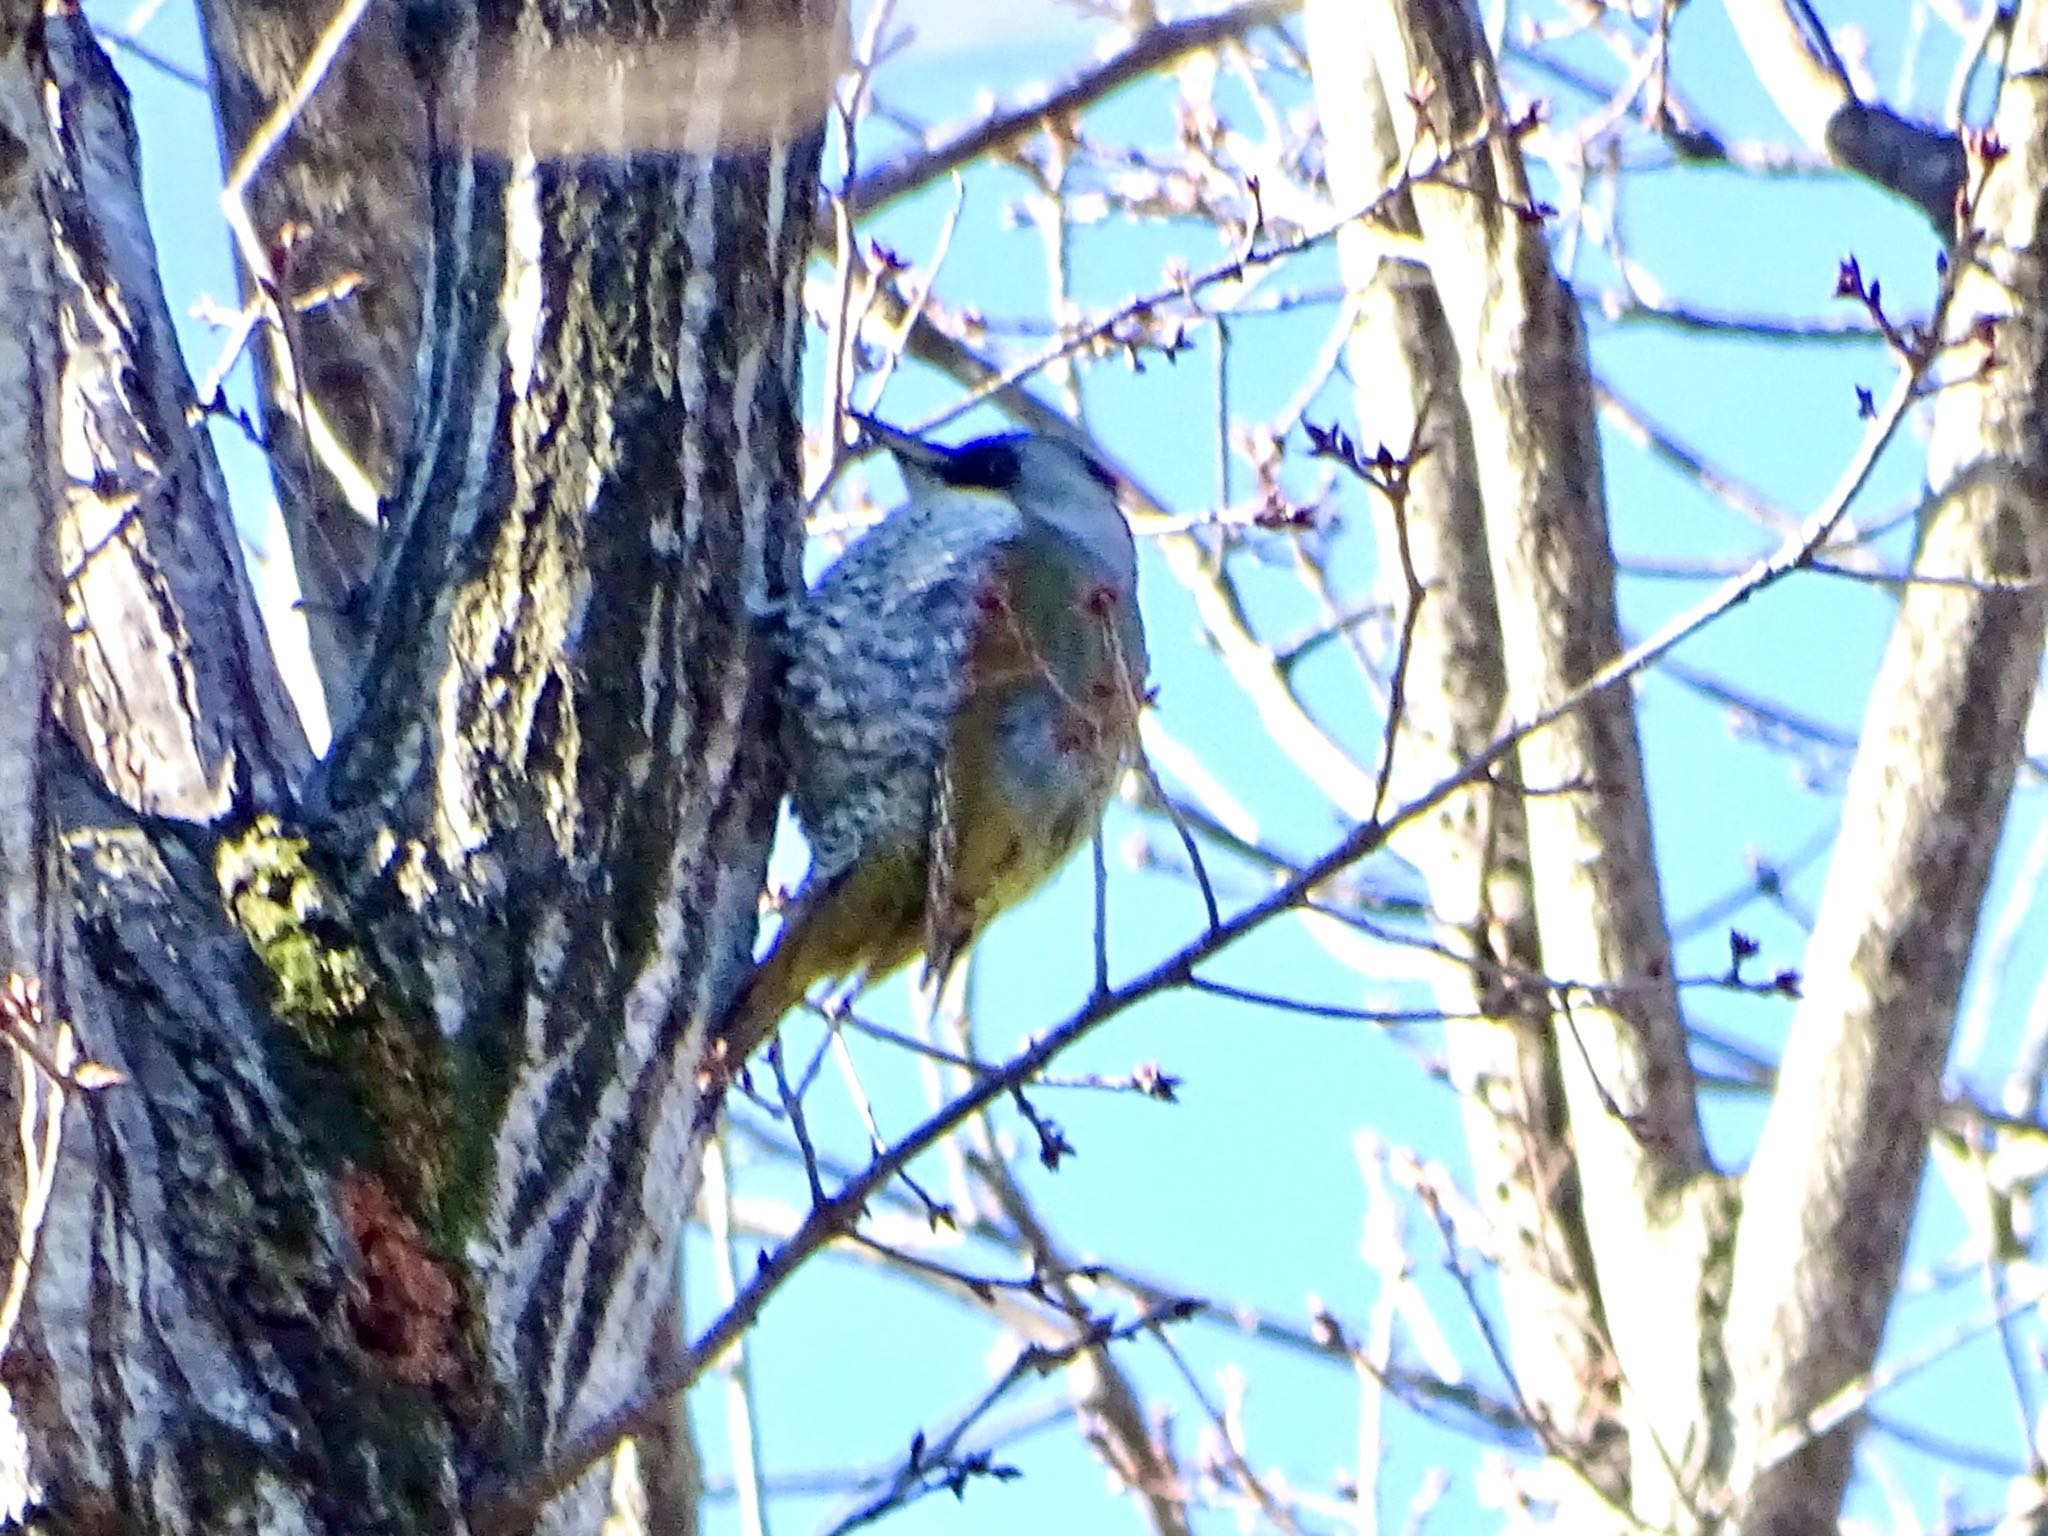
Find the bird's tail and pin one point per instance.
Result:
(771, 989)
(865, 924)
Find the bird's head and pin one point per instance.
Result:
(1051, 480)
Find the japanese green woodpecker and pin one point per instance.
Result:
(961, 698)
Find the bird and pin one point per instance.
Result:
(960, 698)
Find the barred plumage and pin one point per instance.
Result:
(961, 696)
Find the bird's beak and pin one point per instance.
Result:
(918, 459)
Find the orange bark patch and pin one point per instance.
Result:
(403, 1303)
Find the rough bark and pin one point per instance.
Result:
(389, 1200)
(1473, 850)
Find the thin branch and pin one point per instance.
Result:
(1149, 51)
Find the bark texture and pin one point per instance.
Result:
(389, 1200)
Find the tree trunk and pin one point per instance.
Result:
(388, 1198)
(1830, 1199)
(1742, 1319)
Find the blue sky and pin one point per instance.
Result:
(1250, 1191)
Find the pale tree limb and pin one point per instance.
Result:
(1838, 1167)
(324, 118)
(1651, 1218)
(1473, 851)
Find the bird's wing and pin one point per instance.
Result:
(877, 668)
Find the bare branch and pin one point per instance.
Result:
(1152, 49)
(324, 117)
